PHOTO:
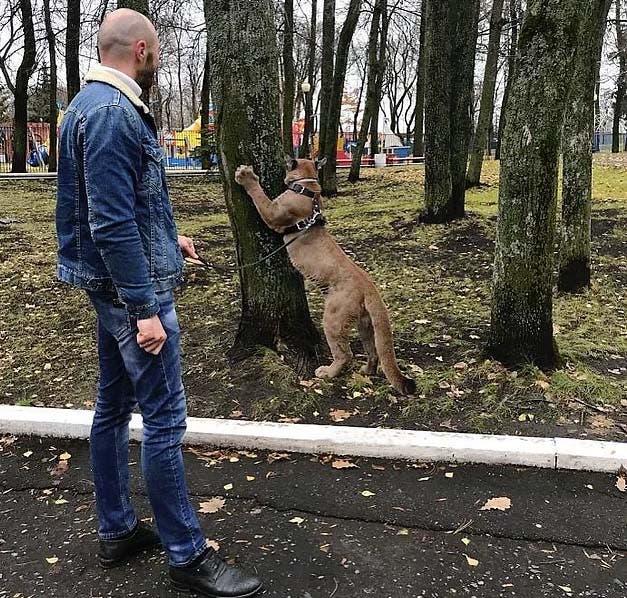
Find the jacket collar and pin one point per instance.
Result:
(97, 73)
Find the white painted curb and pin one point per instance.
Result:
(560, 453)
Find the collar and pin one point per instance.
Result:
(302, 190)
(121, 81)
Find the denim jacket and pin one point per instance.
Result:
(114, 219)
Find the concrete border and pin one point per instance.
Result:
(553, 453)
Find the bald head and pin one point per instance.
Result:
(128, 41)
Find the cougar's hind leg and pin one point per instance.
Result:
(366, 332)
(337, 323)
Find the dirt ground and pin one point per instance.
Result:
(435, 279)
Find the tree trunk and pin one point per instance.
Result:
(621, 85)
(329, 171)
(514, 16)
(464, 25)
(24, 71)
(143, 7)
(52, 52)
(574, 267)
(419, 145)
(205, 97)
(371, 93)
(326, 70)
(311, 67)
(289, 84)
(522, 299)
(450, 46)
(486, 109)
(72, 43)
(374, 119)
(245, 84)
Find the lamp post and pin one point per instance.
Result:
(305, 87)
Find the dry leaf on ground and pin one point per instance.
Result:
(213, 544)
(342, 464)
(621, 483)
(501, 503)
(472, 562)
(212, 506)
(339, 415)
(297, 520)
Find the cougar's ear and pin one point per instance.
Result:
(320, 162)
(290, 163)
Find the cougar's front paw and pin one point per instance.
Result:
(245, 175)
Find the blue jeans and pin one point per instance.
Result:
(130, 376)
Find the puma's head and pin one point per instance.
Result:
(302, 168)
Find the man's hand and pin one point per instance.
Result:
(151, 336)
(187, 247)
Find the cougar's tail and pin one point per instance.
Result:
(384, 344)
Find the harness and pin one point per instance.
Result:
(317, 217)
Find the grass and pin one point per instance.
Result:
(435, 280)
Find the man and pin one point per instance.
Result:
(118, 241)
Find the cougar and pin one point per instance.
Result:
(351, 295)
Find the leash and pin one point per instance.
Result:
(300, 228)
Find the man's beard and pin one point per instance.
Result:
(146, 76)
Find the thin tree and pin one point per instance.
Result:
(378, 86)
(332, 121)
(621, 82)
(311, 66)
(245, 84)
(522, 300)
(371, 91)
(450, 47)
(72, 44)
(514, 17)
(289, 84)
(52, 52)
(326, 70)
(20, 89)
(574, 264)
(486, 108)
(418, 148)
(205, 96)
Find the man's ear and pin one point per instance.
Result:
(320, 163)
(290, 163)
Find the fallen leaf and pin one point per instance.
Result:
(250, 478)
(325, 547)
(64, 456)
(567, 589)
(602, 422)
(60, 468)
(28, 453)
(378, 467)
(339, 415)
(402, 532)
(424, 479)
(297, 520)
(342, 464)
(272, 457)
(237, 413)
(367, 493)
(472, 562)
(212, 506)
(213, 544)
(233, 459)
(466, 541)
(543, 384)
(228, 487)
(449, 474)
(621, 483)
(501, 503)
(52, 560)
(60, 501)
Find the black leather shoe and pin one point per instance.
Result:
(116, 552)
(213, 578)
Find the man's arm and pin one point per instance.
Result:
(112, 165)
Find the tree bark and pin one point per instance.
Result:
(371, 92)
(72, 43)
(522, 299)
(514, 16)
(205, 96)
(486, 108)
(307, 130)
(24, 72)
(245, 84)
(621, 85)
(374, 119)
(289, 84)
(329, 171)
(574, 266)
(54, 111)
(451, 40)
(419, 145)
(326, 70)
(464, 30)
